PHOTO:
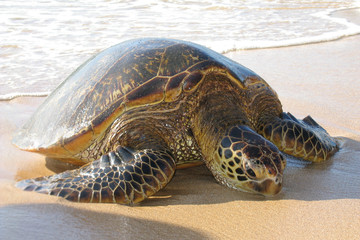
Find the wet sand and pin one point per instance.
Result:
(318, 201)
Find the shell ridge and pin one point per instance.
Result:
(155, 83)
(162, 57)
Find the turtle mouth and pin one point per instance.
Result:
(267, 187)
(264, 179)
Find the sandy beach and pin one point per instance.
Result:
(318, 201)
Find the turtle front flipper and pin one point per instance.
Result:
(305, 138)
(122, 176)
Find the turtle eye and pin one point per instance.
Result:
(251, 167)
(259, 85)
(250, 172)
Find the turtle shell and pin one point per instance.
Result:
(128, 75)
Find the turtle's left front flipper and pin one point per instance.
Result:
(300, 138)
(122, 176)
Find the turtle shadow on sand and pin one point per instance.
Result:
(332, 179)
(337, 178)
(57, 221)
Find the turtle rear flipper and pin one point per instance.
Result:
(300, 138)
(122, 176)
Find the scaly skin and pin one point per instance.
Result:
(121, 176)
(303, 139)
(249, 162)
(237, 156)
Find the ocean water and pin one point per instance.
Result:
(42, 42)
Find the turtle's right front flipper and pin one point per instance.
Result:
(301, 138)
(122, 176)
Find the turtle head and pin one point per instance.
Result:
(248, 162)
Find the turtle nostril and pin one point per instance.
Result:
(278, 179)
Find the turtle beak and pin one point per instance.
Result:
(261, 179)
(267, 187)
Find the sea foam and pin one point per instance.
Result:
(43, 42)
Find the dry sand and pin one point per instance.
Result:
(318, 201)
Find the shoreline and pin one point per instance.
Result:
(350, 15)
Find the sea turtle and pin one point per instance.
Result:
(136, 111)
